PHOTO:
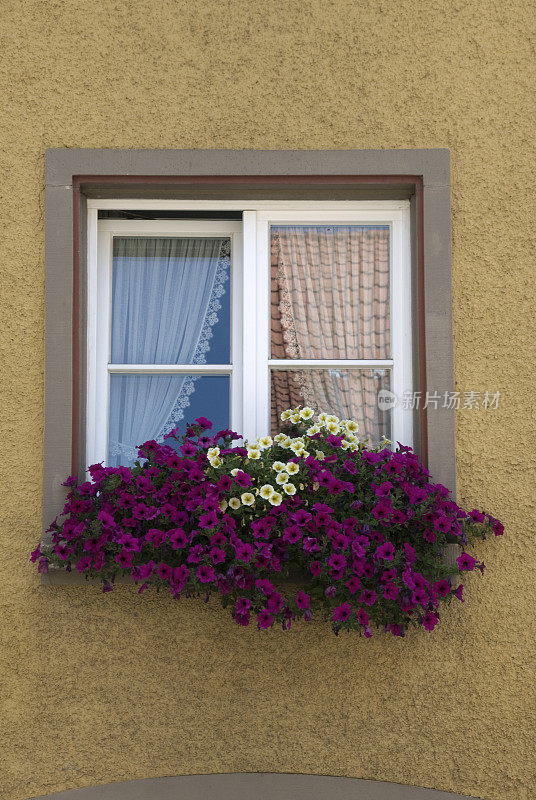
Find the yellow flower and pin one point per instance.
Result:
(306, 412)
(276, 499)
(289, 488)
(254, 453)
(281, 478)
(292, 468)
(278, 466)
(212, 452)
(266, 491)
(286, 414)
(234, 503)
(265, 441)
(216, 461)
(247, 498)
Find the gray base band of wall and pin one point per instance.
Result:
(253, 786)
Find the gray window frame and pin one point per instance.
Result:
(73, 175)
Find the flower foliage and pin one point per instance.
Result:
(310, 522)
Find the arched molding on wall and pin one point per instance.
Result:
(257, 786)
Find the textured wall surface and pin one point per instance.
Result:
(99, 688)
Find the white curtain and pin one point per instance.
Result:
(165, 299)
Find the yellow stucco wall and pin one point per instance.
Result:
(100, 688)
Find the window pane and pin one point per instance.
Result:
(350, 394)
(330, 291)
(170, 301)
(144, 407)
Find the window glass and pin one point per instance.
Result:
(144, 407)
(330, 292)
(349, 394)
(170, 301)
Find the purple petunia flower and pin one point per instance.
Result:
(204, 423)
(442, 587)
(274, 604)
(342, 612)
(368, 597)
(466, 562)
(390, 591)
(205, 574)
(430, 621)
(302, 600)
(264, 619)
(242, 605)
(386, 551)
(353, 584)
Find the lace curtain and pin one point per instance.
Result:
(330, 300)
(165, 301)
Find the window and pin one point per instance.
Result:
(295, 304)
(252, 182)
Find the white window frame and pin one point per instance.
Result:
(250, 301)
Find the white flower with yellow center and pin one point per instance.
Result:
(345, 445)
(297, 448)
(279, 437)
(320, 456)
(351, 438)
(306, 412)
(264, 442)
(212, 452)
(235, 471)
(333, 418)
(281, 478)
(286, 414)
(305, 454)
(352, 426)
(314, 429)
(285, 443)
(278, 466)
(295, 418)
(247, 498)
(275, 499)
(215, 462)
(322, 417)
(333, 427)
(223, 505)
(254, 453)
(354, 447)
(292, 468)
(289, 488)
(266, 491)
(316, 486)
(234, 503)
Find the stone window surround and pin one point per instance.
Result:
(73, 175)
